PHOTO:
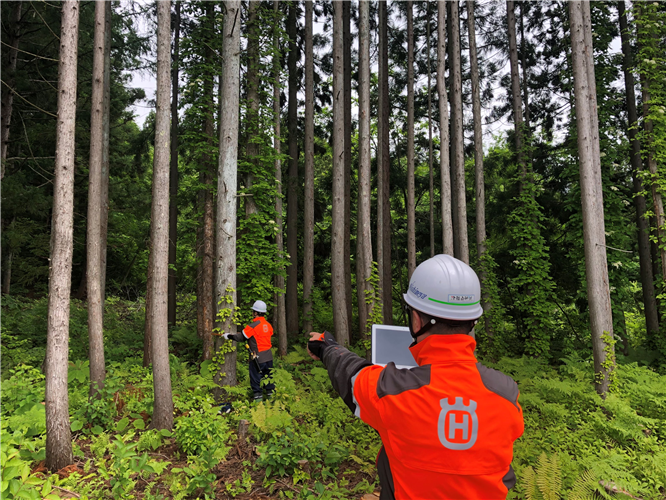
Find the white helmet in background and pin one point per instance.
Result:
(259, 306)
(445, 287)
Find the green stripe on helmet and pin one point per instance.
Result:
(453, 303)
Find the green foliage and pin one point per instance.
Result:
(202, 430)
(17, 482)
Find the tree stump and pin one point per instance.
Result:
(243, 426)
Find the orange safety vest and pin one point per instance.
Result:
(448, 425)
(262, 331)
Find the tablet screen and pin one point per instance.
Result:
(391, 343)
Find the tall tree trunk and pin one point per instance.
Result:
(346, 44)
(58, 433)
(292, 186)
(173, 174)
(93, 252)
(226, 186)
(515, 92)
(383, 173)
(411, 216)
(478, 161)
(647, 278)
(147, 329)
(430, 165)
(208, 230)
(601, 319)
(159, 228)
(523, 64)
(364, 171)
(14, 26)
(461, 246)
(280, 310)
(308, 237)
(338, 283)
(104, 217)
(444, 153)
(252, 78)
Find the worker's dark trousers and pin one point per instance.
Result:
(385, 476)
(257, 374)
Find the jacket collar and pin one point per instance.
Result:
(437, 349)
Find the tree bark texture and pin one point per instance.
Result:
(444, 153)
(159, 228)
(515, 91)
(292, 185)
(226, 185)
(461, 246)
(601, 319)
(173, 174)
(308, 236)
(383, 173)
(430, 163)
(338, 283)
(14, 27)
(647, 278)
(147, 329)
(280, 309)
(346, 44)
(93, 237)
(478, 161)
(252, 78)
(364, 251)
(411, 216)
(58, 433)
(106, 164)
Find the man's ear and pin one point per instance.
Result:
(417, 323)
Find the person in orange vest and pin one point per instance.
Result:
(448, 425)
(257, 335)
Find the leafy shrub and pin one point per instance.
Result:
(202, 430)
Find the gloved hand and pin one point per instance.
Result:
(226, 336)
(318, 342)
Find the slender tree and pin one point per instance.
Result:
(173, 173)
(292, 185)
(159, 229)
(383, 172)
(58, 434)
(515, 92)
(308, 236)
(461, 246)
(14, 27)
(647, 278)
(339, 290)
(444, 158)
(94, 254)
(364, 251)
(411, 216)
(280, 309)
(601, 318)
(252, 79)
(106, 139)
(430, 165)
(226, 187)
(346, 48)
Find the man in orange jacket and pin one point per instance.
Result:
(448, 425)
(258, 337)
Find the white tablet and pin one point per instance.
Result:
(391, 343)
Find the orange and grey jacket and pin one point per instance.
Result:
(447, 426)
(258, 336)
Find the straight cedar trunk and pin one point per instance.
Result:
(339, 289)
(292, 185)
(383, 173)
(252, 78)
(461, 246)
(173, 175)
(106, 135)
(159, 228)
(226, 187)
(280, 309)
(601, 318)
(478, 162)
(308, 212)
(364, 252)
(346, 45)
(94, 219)
(444, 153)
(58, 433)
(647, 278)
(207, 303)
(515, 92)
(14, 28)
(430, 165)
(411, 216)
(147, 329)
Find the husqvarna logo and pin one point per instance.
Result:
(458, 425)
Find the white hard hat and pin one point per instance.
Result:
(445, 287)
(259, 306)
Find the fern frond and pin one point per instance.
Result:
(584, 487)
(549, 477)
(531, 488)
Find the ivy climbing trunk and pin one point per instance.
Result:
(308, 215)
(58, 433)
(444, 153)
(411, 216)
(173, 173)
(601, 318)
